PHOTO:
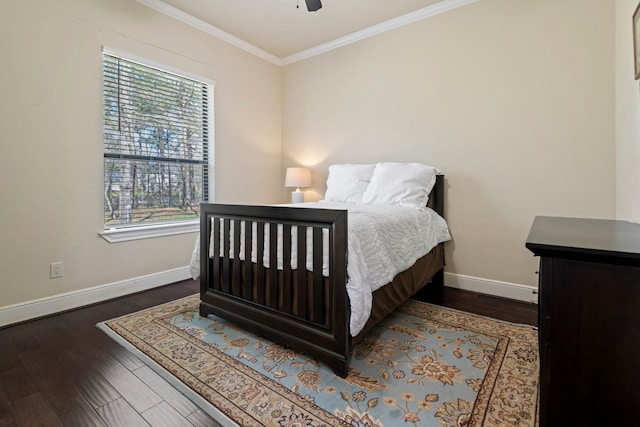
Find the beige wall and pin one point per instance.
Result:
(627, 117)
(51, 138)
(512, 100)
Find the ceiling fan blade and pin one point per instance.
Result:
(313, 5)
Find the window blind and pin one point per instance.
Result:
(156, 144)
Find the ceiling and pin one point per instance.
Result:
(283, 31)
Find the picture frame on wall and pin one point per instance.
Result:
(636, 41)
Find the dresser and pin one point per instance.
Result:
(589, 320)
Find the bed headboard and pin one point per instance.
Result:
(436, 198)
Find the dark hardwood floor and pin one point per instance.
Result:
(63, 371)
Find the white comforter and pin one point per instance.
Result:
(383, 241)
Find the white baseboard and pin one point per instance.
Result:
(62, 302)
(492, 287)
(58, 303)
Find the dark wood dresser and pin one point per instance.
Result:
(589, 321)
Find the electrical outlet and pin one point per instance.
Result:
(56, 269)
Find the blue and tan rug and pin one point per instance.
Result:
(424, 365)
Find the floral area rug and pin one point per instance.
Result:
(424, 365)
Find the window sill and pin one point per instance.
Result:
(117, 235)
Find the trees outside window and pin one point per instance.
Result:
(157, 161)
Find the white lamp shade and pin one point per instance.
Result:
(297, 177)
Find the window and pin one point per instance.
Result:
(157, 164)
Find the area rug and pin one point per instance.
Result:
(424, 365)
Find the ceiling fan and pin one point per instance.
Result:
(313, 5)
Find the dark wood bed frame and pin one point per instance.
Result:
(294, 307)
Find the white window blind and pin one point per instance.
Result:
(156, 144)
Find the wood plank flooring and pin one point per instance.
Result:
(63, 371)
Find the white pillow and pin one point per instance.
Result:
(403, 184)
(347, 183)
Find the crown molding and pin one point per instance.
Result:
(383, 27)
(199, 24)
(400, 21)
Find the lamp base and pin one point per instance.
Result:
(297, 197)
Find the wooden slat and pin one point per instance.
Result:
(169, 394)
(120, 413)
(9, 359)
(34, 410)
(272, 290)
(216, 255)
(331, 284)
(287, 286)
(236, 262)
(301, 272)
(247, 281)
(201, 419)
(226, 261)
(6, 416)
(17, 383)
(139, 395)
(127, 358)
(87, 380)
(69, 405)
(260, 273)
(318, 282)
(163, 415)
(77, 412)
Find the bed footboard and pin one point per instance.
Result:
(297, 307)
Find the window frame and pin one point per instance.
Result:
(128, 232)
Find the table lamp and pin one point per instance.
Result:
(297, 177)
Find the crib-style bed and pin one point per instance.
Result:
(303, 297)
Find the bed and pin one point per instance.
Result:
(304, 297)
